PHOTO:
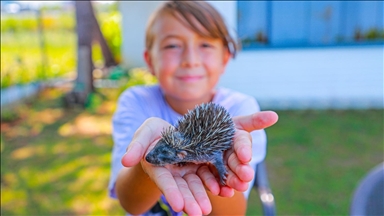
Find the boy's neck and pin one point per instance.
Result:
(182, 107)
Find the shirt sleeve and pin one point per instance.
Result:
(126, 120)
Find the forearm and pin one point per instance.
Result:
(136, 192)
(235, 205)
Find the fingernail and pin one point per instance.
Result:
(128, 148)
(247, 155)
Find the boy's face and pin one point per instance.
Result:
(186, 65)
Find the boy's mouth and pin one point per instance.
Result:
(190, 78)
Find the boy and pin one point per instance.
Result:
(187, 48)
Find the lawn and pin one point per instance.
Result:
(56, 161)
(316, 158)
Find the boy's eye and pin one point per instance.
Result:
(206, 45)
(171, 46)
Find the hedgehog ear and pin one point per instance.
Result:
(182, 154)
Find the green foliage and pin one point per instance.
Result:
(94, 100)
(27, 22)
(23, 58)
(138, 76)
(374, 34)
(117, 73)
(110, 26)
(14, 24)
(8, 115)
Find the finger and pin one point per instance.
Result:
(256, 121)
(243, 171)
(199, 192)
(226, 191)
(243, 146)
(147, 133)
(209, 179)
(234, 182)
(168, 186)
(191, 207)
(134, 154)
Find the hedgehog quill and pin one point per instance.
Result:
(200, 136)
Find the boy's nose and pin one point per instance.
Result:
(191, 58)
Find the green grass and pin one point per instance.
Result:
(57, 162)
(316, 159)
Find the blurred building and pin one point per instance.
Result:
(295, 54)
(14, 7)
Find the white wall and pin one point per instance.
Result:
(337, 77)
(228, 11)
(349, 77)
(135, 15)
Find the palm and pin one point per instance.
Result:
(184, 170)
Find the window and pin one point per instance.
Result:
(309, 23)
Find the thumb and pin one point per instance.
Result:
(256, 121)
(147, 133)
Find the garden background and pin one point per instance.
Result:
(56, 161)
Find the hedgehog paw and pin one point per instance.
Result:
(223, 180)
(222, 171)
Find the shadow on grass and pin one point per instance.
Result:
(57, 161)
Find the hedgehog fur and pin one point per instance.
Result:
(200, 136)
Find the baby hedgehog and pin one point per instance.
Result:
(201, 136)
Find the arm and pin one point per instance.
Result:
(131, 186)
(135, 190)
(235, 205)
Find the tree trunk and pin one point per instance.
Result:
(87, 29)
(84, 82)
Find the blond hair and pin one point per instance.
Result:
(189, 11)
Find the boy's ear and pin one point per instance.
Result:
(148, 60)
(226, 57)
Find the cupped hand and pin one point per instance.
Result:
(181, 186)
(238, 157)
(185, 187)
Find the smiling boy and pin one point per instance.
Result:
(187, 48)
